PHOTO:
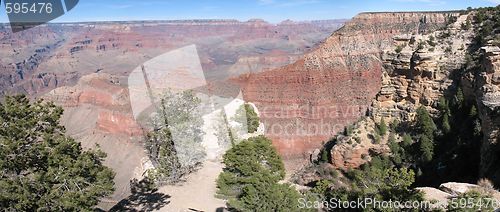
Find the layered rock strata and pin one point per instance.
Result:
(306, 103)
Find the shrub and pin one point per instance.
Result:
(246, 112)
(42, 168)
(421, 45)
(376, 139)
(348, 130)
(407, 141)
(250, 179)
(398, 49)
(426, 148)
(324, 155)
(431, 41)
(381, 127)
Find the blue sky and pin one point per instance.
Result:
(269, 10)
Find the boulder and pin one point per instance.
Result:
(437, 197)
(457, 188)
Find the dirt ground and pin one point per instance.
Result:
(197, 193)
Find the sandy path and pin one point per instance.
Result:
(197, 192)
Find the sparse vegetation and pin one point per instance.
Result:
(324, 156)
(420, 46)
(381, 127)
(398, 49)
(467, 25)
(174, 145)
(379, 179)
(431, 41)
(348, 130)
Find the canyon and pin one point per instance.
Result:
(84, 67)
(307, 103)
(307, 84)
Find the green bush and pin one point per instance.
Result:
(247, 112)
(381, 127)
(250, 178)
(398, 49)
(252, 118)
(431, 41)
(42, 168)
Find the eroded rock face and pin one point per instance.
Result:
(418, 70)
(306, 103)
(97, 111)
(487, 94)
(354, 150)
(107, 98)
(118, 123)
(421, 72)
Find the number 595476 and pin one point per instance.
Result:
(25, 8)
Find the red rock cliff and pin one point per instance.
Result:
(304, 104)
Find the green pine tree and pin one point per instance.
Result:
(42, 168)
(250, 179)
(445, 122)
(407, 141)
(324, 156)
(459, 98)
(425, 124)
(426, 148)
(382, 127)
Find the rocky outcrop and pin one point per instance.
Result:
(440, 198)
(118, 123)
(487, 92)
(353, 150)
(457, 188)
(419, 69)
(306, 103)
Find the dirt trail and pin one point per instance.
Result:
(197, 193)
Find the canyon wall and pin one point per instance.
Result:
(306, 103)
(487, 92)
(97, 112)
(419, 69)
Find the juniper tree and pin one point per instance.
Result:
(42, 169)
(250, 178)
(174, 145)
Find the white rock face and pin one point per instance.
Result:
(457, 188)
